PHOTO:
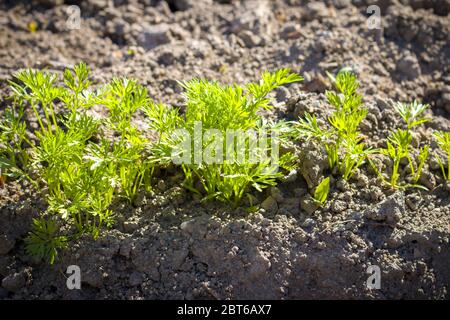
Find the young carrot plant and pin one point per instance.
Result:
(40, 91)
(411, 113)
(399, 147)
(14, 158)
(220, 126)
(123, 97)
(443, 139)
(80, 170)
(44, 242)
(342, 141)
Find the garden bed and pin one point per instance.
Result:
(167, 243)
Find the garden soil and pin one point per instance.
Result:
(170, 245)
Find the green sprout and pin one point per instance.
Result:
(212, 106)
(399, 148)
(79, 170)
(14, 156)
(43, 242)
(412, 112)
(443, 139)
(322, 190)
(342, 141)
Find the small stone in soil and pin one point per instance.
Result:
(13, 282)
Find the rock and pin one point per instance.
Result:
(51, 3)
(161, 185)
(446, 101)
(5, 261)
(314, 81)
(6, 244)
(140, 199)
(365, 126)
(408, 31)
(125, 248)
(362, 180)
(408, 66)
(292, 205)
(179, 256)
(250, 39)
(413, 201)
(342, 185)
(198, 48)
(389, 210)
(315, 10)
(291, 176)
(270, 205)
(183, 5)
(180, 5)
(135, 279)
(152, 36)
(341, 4)
(276, 194)
(146, 261)
(300, 235)
(256, 16)
(180, 34)
(308, 223)
(321, 245)
(308, 204)
(357, 216)
(447, 185)
(299, 192)
(259, 265)
(417, 253)
(94, 278)
(291, 30)
(130, 226)
(117, 29)
(282, 94)
(300, 108)
(338, 206)
(14, 282)
(97, 4)
(375, 193)
(233, 252)
(166, 58)
(177, 195)
(312, 163)
(427, 179)
(383, 104)
(196, 227)
(188, 226)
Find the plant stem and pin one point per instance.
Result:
(38, 117)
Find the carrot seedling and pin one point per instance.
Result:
(342, 141)
(443, 139)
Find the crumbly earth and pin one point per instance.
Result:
(168, 245)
